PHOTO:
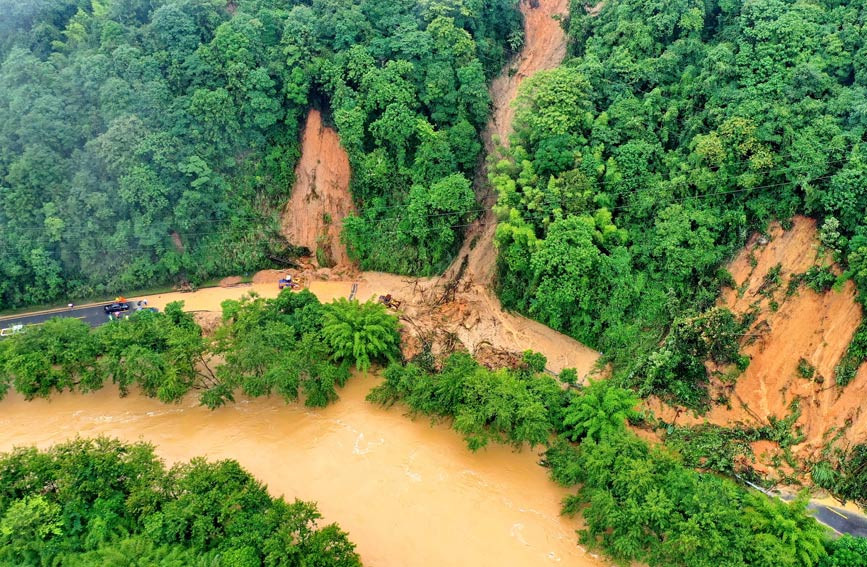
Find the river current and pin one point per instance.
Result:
(408, 493)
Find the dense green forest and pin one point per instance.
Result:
(146, 141)
(640, 166)
(103, 503)
(143, 141)
(291, 346)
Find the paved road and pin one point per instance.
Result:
(92, 315)
(839, 519)
(843, 521)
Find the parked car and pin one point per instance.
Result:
(116, 307)
(13, 330)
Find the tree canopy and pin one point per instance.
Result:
(100, 502)
(156, 140)
(292, 346)
(640, 165)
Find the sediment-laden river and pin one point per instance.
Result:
(409, 494)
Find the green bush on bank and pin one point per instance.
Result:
(292, 345)
(103, 503)
(640, 503)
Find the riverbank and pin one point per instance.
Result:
(409, 494)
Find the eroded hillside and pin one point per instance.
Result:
(458, 310)
(320, 198)
(796, 340)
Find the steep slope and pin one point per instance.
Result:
(458, 308)
(788, 328)
(544, 48)
(320, 198)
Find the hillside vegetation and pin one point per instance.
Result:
(640, 502)
(290, 346)
(641, 165)
(149, 140)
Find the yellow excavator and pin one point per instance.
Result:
(389, 301)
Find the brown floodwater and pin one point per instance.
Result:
(408, 494)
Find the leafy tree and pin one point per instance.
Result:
(600, 411)
(103, 502)
(178, 121)
(847, 551)
(26, 529)
(53, 356)
(360, 332)
(671, 143)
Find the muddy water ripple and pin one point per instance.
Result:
(409, 494)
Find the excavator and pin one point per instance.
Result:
(288, 282)
(389, 301)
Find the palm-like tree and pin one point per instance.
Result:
(600, 411)
(360, 331)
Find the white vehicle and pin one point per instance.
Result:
(13, 330)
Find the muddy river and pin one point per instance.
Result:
(409, 494)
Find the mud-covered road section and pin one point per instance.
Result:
(803, 327)
(462, 304)
(320, 198)
(459, 310)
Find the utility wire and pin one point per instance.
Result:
(207, 245)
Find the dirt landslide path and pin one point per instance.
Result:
(462, 304)
(806, 325)
(544, 48)
(320, 198)
(457, 311)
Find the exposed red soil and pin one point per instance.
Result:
(231, 281)
(320, 198)
(451, 312)
(455, 316)
(544, 48)
(816, 327)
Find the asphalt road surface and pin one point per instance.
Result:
(93, 315)
(839, 519)
(843, 521)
